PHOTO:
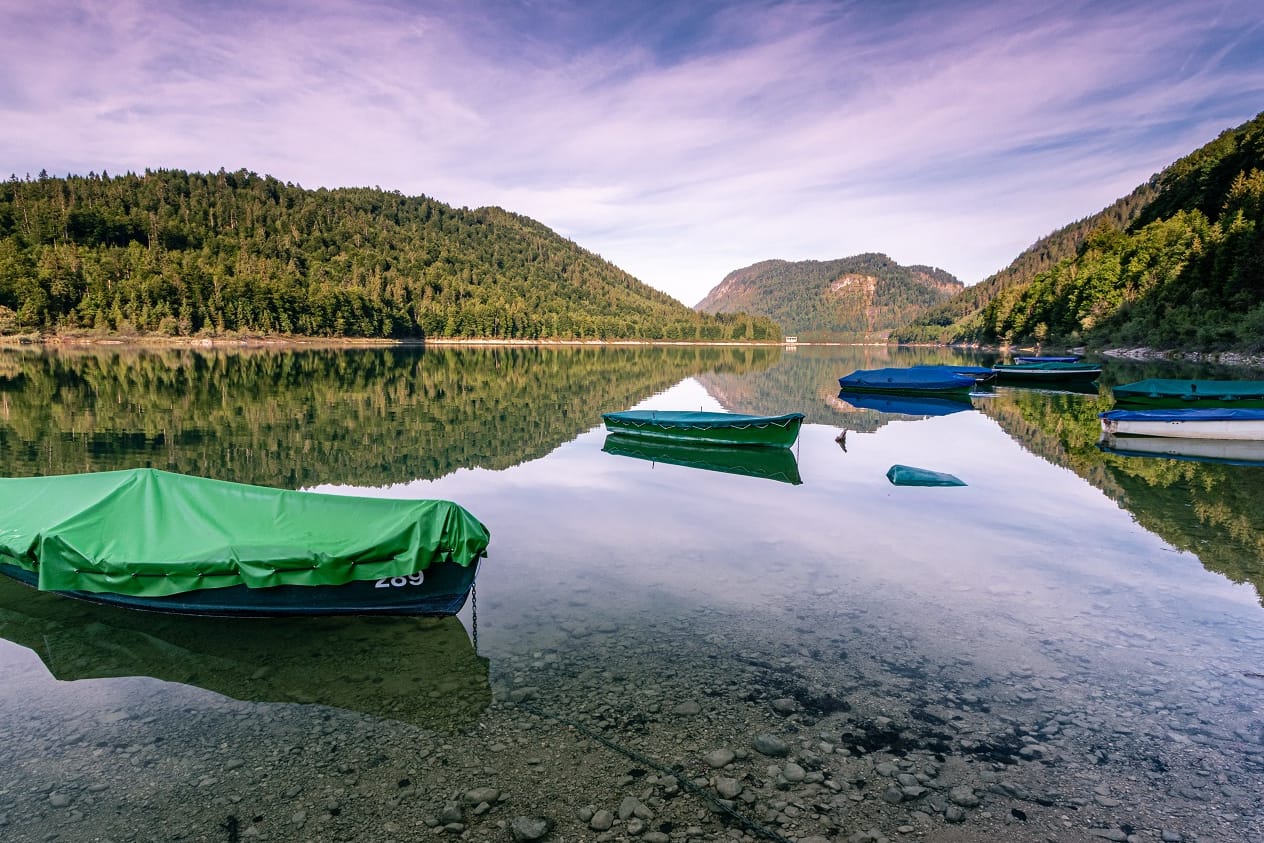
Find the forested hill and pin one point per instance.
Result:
(850, 298)
(176, 253)
(1177, 264)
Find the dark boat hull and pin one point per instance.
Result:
(1037, 373)
(442, 590)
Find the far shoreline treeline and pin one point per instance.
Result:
(176, 254)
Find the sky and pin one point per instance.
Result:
(678, 139)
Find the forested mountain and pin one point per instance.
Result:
(176, 253)
(860, 297)
(1178, 263)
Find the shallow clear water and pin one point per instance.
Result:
(1075, 638)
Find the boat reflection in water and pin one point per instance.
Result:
(908, 405)
(769, 463)
(422, 671)
(1229, 451)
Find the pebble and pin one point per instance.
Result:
(771, 745)
(529, 828)
(480, 794)
(718, 758)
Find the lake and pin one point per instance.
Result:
(661, 646)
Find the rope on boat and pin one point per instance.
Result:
(716, 804)
(702, 426)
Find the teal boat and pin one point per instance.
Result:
(418, 670)
(704, 428)
(1047, 371)
(1178, 392)
(149, 539)
(768, 463)
(907, 475)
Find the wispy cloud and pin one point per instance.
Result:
(678, 140)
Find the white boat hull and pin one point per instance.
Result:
(1200, 429)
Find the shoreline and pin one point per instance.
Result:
(1227, 358)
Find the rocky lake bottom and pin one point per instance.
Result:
(851, 723)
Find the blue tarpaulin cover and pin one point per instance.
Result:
(911, 378)
(1181, 415)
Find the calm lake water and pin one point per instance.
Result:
(1069, 647)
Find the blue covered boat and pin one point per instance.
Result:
(1192, 423)
(911, 379)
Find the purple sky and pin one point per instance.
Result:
(680, 140)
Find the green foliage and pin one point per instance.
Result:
(189, 254)
(1177, 264)
(860, 297)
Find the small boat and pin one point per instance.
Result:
(1046, 372)
(1227, 451)
(768, 463)
(907, 475)
(149, 539)
(1192, 423)
(706, 428)
(1176, 392)
(418, 670)
(1024, 358)
(908, 405)
(911, 379)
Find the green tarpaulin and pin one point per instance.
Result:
(150, 533)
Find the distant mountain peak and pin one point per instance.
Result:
(863, 296)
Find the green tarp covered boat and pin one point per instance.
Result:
(151, 539)
(1046, 371)
(768, 463)
(707, 428)
(1177, 392)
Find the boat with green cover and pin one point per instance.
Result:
(1179, 392)
(768, 463)
(1046, 371)
(707, 428)
(150, 539)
